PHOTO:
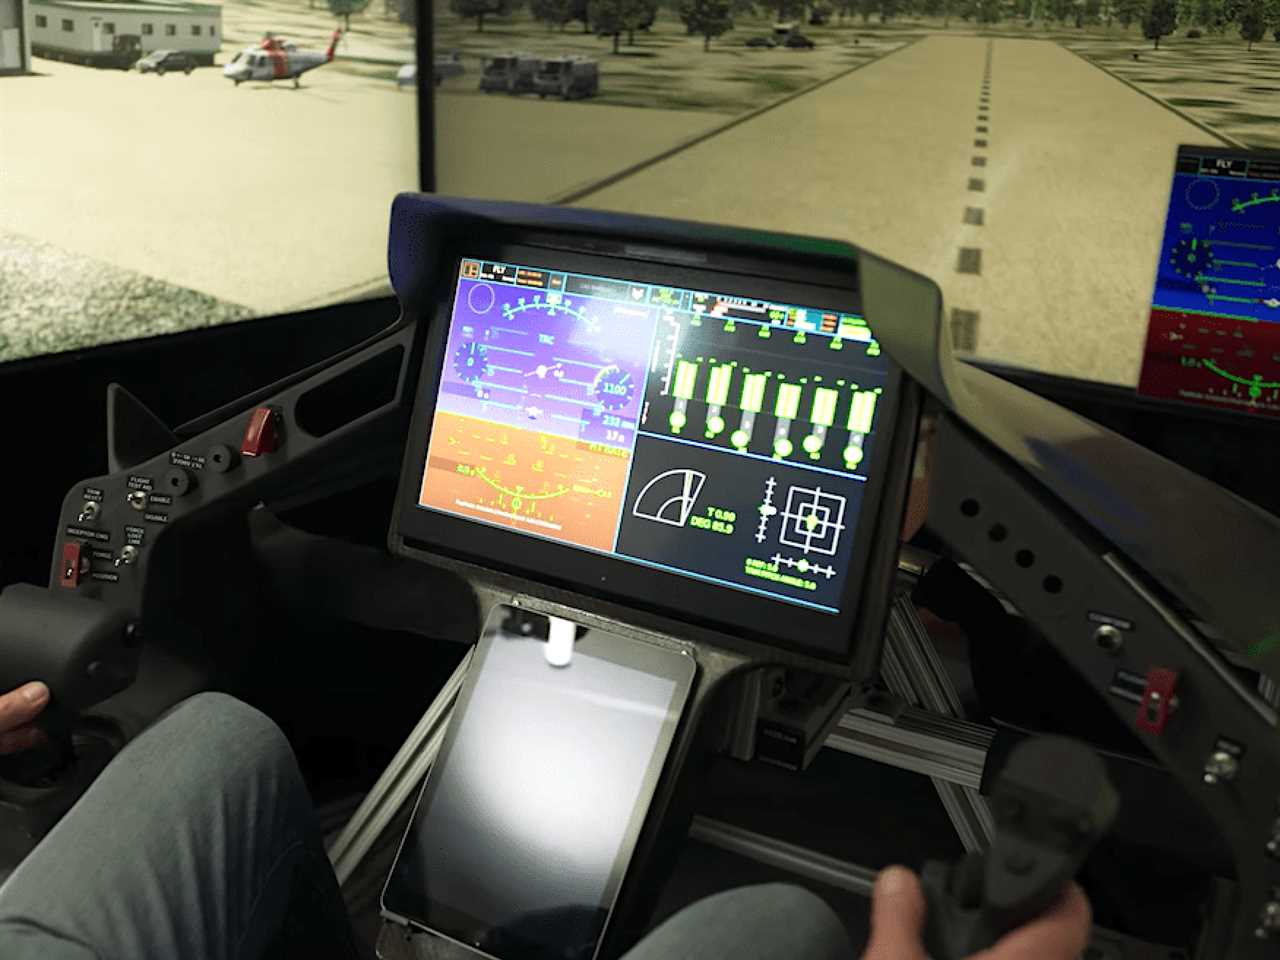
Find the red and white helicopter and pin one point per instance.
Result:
(276, 59)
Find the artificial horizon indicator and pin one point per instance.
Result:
(718, 437)
(1214, 332)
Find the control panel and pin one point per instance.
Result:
(110, 523)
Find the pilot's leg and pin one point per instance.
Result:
(198, 841)
(775, 921)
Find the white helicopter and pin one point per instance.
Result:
(276, 59)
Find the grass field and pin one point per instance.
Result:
(1214, 80)
(666, 68)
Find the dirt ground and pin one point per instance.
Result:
(259, 195)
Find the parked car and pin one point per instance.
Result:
(761, 42)
(798, 41)
(161, 61)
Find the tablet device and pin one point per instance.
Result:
(527, 821)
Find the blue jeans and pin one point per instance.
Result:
(199, 841)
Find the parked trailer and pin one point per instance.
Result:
(509, 73)
(569, 78)
(109, 34)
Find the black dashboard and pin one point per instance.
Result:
(707, 433)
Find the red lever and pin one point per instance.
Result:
(1157, 699)
(260, 436)
(69, 572)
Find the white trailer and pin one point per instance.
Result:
(15, 37)
(117, 34)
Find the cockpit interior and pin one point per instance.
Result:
(637, 535)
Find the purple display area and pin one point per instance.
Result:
(568, 365)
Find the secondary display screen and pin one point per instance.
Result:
(717, 437)
(1214, 332)
(528, 819)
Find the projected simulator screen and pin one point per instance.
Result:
(1214, 333)
(172, 165)
(1016, 152)
(716, 437)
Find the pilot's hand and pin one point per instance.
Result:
(17, 709)
(897, 918)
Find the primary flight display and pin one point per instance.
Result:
(717, 437)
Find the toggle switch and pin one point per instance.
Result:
(1221, 767)
(1268, 921)
(1158, 700)
(137, 499)
(74, 563)
(1273, 845)
(89, 512)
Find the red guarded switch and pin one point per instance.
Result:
(261, 435)
(1157, 700)
(69, 571)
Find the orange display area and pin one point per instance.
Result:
(540, 483)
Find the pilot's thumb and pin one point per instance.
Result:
(897, 917)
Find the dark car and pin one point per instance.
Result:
(798, 41)
(161, 61)
(761, 42)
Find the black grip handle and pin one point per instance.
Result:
(84, 650)
(1052, 803)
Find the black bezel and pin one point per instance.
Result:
(667, 663)
(567, 567)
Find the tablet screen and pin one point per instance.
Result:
(527, 821)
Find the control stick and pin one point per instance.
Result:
(84, 650)
(1052, 803)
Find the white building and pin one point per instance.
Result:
(117, 34)
(15, 37)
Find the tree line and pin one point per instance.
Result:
(619, 19)
(613, 18)
(1158, 18)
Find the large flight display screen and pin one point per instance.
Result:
(1214, 333)
(720, 438)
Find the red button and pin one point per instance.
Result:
(260, 436)
(69, 572)
(1153, 712)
